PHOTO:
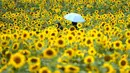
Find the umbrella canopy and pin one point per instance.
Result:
(74, 17)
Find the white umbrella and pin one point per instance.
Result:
(74, 17)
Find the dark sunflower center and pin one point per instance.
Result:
(123, 62)
(107, 28)
(71, 68)
(17, 60)
(99, 35)
(84, 39)
(79, 34)
(92, 51)
(107, 58)
(60, 42)
(30, 34)
(35, 67)
(25, 53)
(4, 43)
(70, 38)
(79, 25)
(128, 34)
(72, 28)
(112, 23)
(41, 36)
(117, 44)
(34, 60)
(128, 41)
(49, 52)
(46, 32)
(92, 35)
(44, 71)
(39, 45)
(62, 68)
(53, 34)
(129, 72)
(69, 52)
(89, 60)
(4, 60)
(60, 36)
(98, 40)
(51, 38)
(15, 46)
(8, 55)
(15, 35)
(73, 33)
(24, 35)
(128, 26)
(88, 42)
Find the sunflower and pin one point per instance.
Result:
(4, 60)
(4, 43)
(15, 46)
(49, 53)
(39, 45)
(89, 59)
(53, 33)
(51, 39)
(124, 56)
(72, 28)
(25, 52)
(108, 67)
(127, 42)
(107, 28)
(93, 34)
(71, 69)
(99, 34)
(60, 67)
(79, 53)
(15, 36)
(32, 33)
(60, 42)
(8, 54)
(70, 38)
(79, 33)
(89, 42)
(99, 41)
(92, 51)
(127, 34)
(46, 32)
(117, 44)
(123, 63)
(17, 60)
(34, 67)
(33, 60)
(41, 36)
(25, 35)
(79, 25)
(107, 58)
(69, 52)
(44, 70)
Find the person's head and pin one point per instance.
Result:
(59, 26)
(74, 24)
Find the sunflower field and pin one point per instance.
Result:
(31, 42)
